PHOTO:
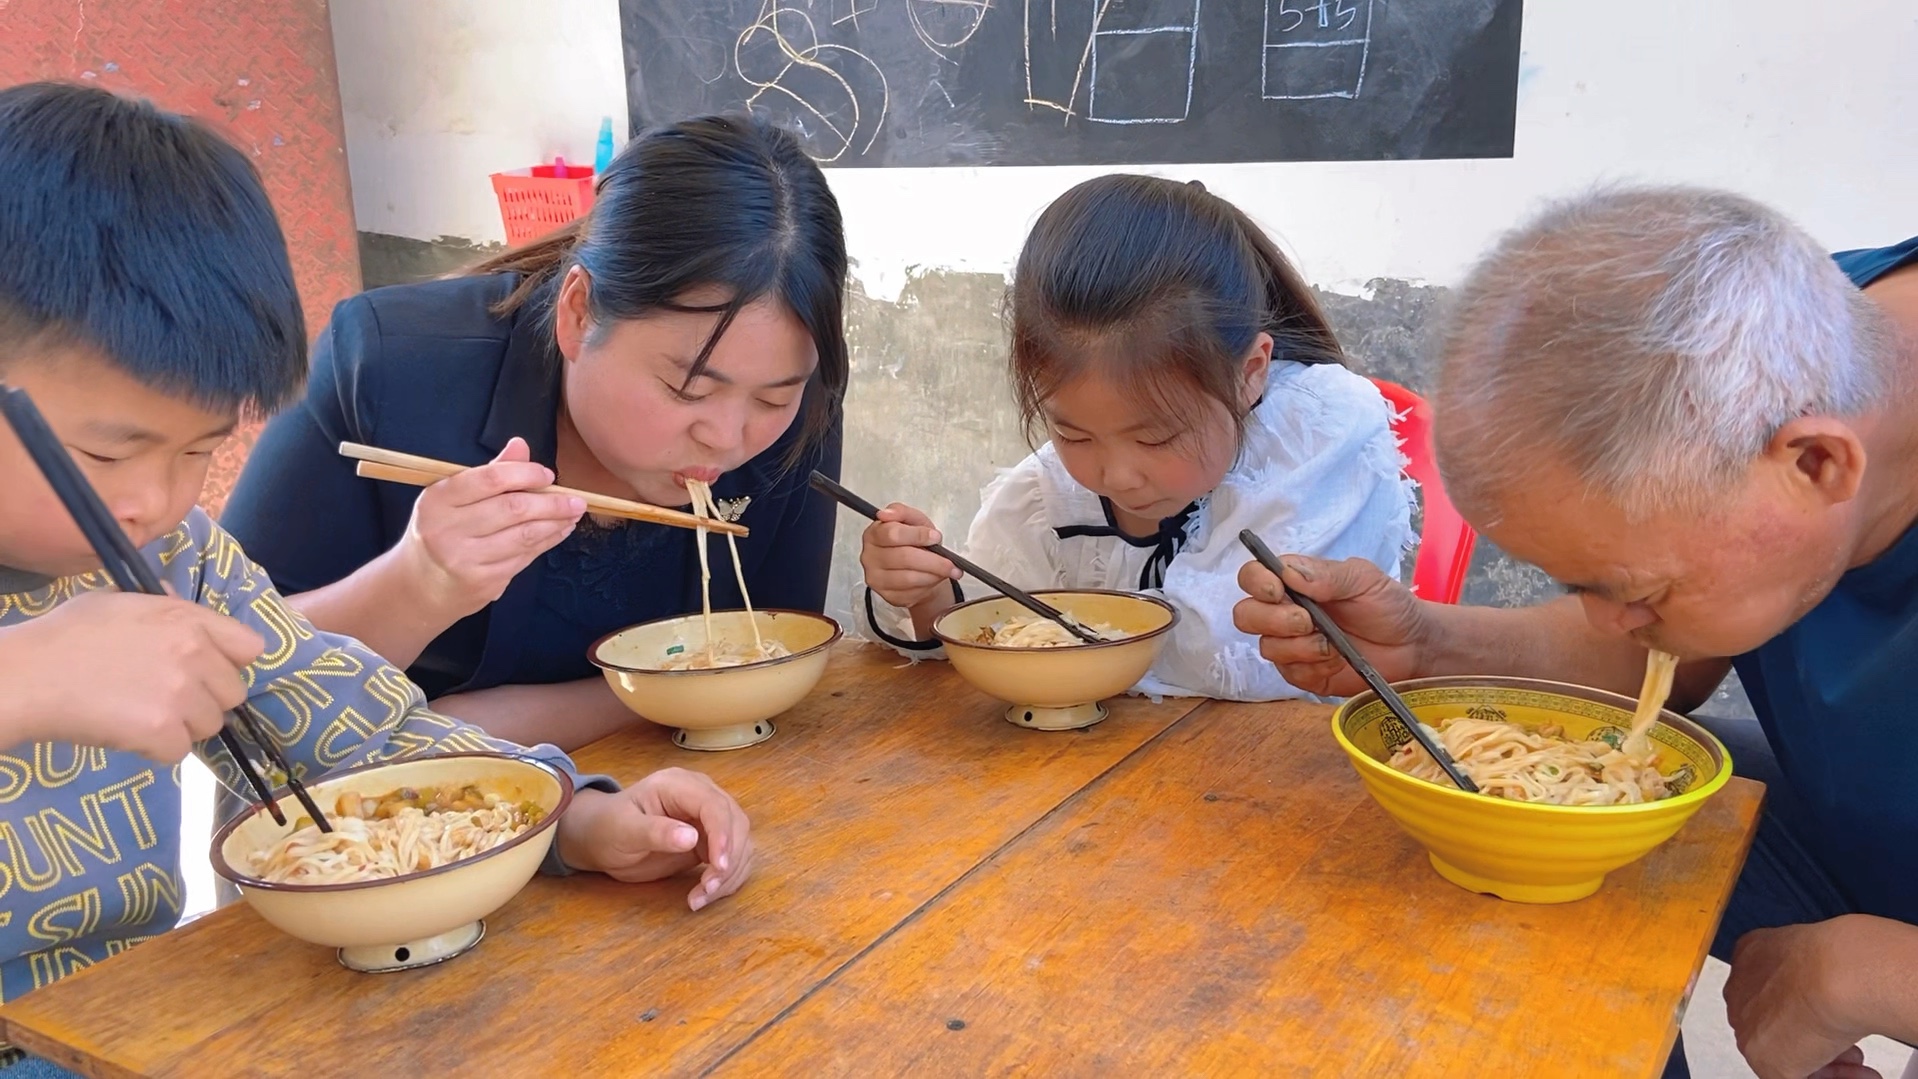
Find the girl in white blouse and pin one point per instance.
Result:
(1191, 387)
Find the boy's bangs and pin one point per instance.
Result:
(146, 237)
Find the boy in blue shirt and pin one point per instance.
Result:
(146, 304)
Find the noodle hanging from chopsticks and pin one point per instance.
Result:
(700, 493)
(1660, 670)
(704, 506)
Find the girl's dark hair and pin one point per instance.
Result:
(731, 202)
(1162, 286)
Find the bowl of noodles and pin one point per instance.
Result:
(421, 850)
(1052, 680)
(717, 679)
(1561, 802)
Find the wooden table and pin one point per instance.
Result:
(1190, 888)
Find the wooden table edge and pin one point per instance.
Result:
(1748, 835)
(54, 1052)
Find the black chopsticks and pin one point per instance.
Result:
(131, 574)
(825, 485)
(1359, 663)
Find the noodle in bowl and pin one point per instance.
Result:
(401, 833)
(410, 875)
(724, 653)
(1032, 631)
(1536, 764)
(1558, 841)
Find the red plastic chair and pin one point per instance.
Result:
(1446, 542)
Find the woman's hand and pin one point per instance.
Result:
(896, 563)
(472, 533)
(665, 824)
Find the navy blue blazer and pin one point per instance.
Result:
(428, 369)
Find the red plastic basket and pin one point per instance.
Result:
(536, 201)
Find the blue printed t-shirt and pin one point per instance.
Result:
(90, 837)
(1836, 695)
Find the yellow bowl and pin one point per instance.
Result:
(722, 707)
(1058, 689)
(419, 918)
(1524, 851)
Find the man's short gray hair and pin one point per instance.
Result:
(1653, 340)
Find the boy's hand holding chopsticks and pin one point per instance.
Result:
(146, 674)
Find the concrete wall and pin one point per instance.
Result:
(1807, 107)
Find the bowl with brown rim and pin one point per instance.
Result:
(714, 708)
(1058, 688)
(418, 918)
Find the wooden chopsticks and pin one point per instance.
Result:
(131, 574)
(395, 467)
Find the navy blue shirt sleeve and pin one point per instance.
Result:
(1868, 264)
(299, 509)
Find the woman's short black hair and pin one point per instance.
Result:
(143, 236)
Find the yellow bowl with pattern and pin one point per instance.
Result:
(1058, 689)
(1525, 851)
(716, 708)
(413, 920)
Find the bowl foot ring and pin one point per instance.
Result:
(386, 958)
(1515, 893)
(724, 738)
(1070, 718)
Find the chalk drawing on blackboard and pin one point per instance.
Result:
(945, 25)
(1135, 66)
(853, 11)
(1144, 71)
(781, 54)
(1314, 49)
(1043, 53)
(1017, 82)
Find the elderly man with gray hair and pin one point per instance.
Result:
(1676, 404)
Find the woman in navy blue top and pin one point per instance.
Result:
(690, 327)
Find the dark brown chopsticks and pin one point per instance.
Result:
(131, 574)
(825, 485)
(1359, 663)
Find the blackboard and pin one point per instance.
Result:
(1088, 82)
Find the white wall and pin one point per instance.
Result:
(440, 94)
(1808, 106)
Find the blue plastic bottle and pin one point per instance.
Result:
(603, 152)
